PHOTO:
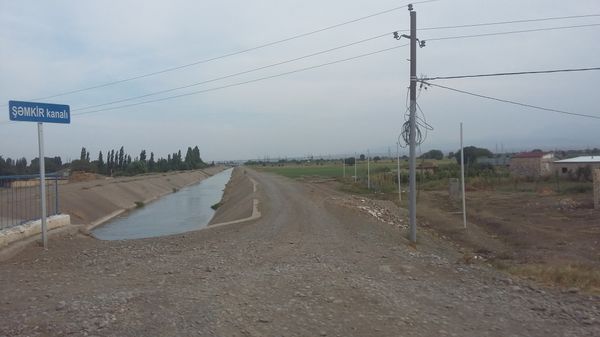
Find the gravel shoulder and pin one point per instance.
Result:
(314, 264)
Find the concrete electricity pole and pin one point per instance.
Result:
(462, 177)
(355, 163)
(412, 136)
(368, 170)
(412, 197)
(398, 158)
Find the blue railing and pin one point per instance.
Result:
(20, 198)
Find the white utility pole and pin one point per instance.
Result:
(344, 165)
(368, 170)
(399, 182)
(355, 164)
(462, 175)
(43, 184)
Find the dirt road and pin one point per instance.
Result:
(311, 266)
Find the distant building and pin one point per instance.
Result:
(569, 167)
(427, 167)
(497, 160)
(531, 164)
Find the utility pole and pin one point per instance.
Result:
(398, 157)
(462, 176)
(344, 166)
(355, 164)
(412, 204)
(368, 170)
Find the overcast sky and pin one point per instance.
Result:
(50, 47)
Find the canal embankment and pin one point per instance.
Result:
(91, 203)
(238, 201)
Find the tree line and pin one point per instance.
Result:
(111, 163)
(118, 162)
(20, 166)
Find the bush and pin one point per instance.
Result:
(578, 189)
(136, 167)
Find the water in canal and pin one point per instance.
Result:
(188, 209)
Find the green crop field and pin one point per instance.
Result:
(302, 171)
(329, 170)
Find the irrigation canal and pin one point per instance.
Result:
(186, 210)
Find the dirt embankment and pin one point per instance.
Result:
(237, 199)
(90, 201)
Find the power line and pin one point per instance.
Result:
(242, 83)
(511, 102)
(511, 22)
(510, 32)
(234, 74)
(327, 51)
(318, 31)
(509, 74)
(294, 37)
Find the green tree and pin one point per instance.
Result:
(122, 159)
(21, 166)
(151, 162)
(83, 154)
(50, 165)
(143, 156)
(196, 155)
(472, 153)
(136, 167)
(189, 159)
(6, 167)
(433, 154)
(100, 162)
(110, 162)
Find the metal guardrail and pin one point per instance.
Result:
(20, 198)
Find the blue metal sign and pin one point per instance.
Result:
(39, 112)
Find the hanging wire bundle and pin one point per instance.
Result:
(421, 125)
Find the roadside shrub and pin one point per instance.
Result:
(584, 173)
(588, 188)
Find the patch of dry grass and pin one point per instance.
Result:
(584, 277)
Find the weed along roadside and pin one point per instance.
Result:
(514, 224)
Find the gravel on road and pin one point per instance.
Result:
(314, 264)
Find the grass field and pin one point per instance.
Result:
(500, 182)
(331, 170)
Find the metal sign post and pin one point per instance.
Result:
(41, 113)
(42, 184)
